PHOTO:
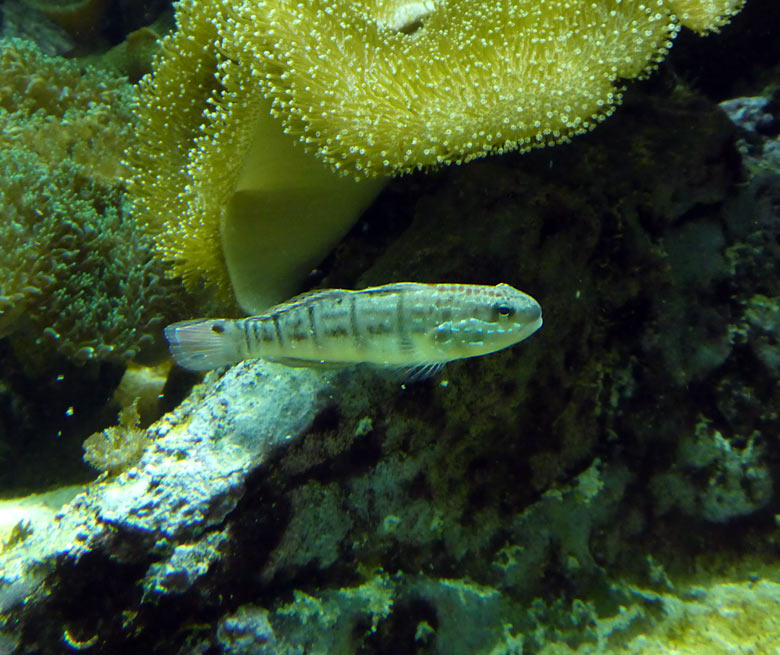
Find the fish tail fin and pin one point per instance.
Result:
(203, 344)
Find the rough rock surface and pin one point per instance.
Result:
(191, 476)
(597, 488)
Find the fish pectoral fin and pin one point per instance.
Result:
(422, 371)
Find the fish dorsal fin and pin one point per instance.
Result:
(321, 294)
(395, 287)
(306, 296)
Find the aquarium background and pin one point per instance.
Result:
(608, 485)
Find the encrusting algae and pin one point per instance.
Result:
(372, 89)
(117, 448)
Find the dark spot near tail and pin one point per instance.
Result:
(218, 328)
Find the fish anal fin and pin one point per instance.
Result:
(306, 363)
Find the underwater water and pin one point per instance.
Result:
(609, 484)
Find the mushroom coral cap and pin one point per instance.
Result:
(384, 88)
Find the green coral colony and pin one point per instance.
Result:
(75, 272)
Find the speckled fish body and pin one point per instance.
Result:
(404, 325)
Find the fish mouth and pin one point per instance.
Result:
(529, 328)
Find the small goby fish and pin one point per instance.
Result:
(403, 325)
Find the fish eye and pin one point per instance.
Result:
(505, 311)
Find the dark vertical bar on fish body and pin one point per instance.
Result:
(403, 326)
(278, 331)
(245, 324)
(314, 324)
(415, 311)
(255, 344)
(296, 325)
(382, 317)
(353, 322)
(332, 324)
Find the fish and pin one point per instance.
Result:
(411, 326)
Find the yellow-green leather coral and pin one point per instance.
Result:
(229, 198)
(704, 15)
(384, 87)
(372, 89)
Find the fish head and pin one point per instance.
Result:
(498, 318)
